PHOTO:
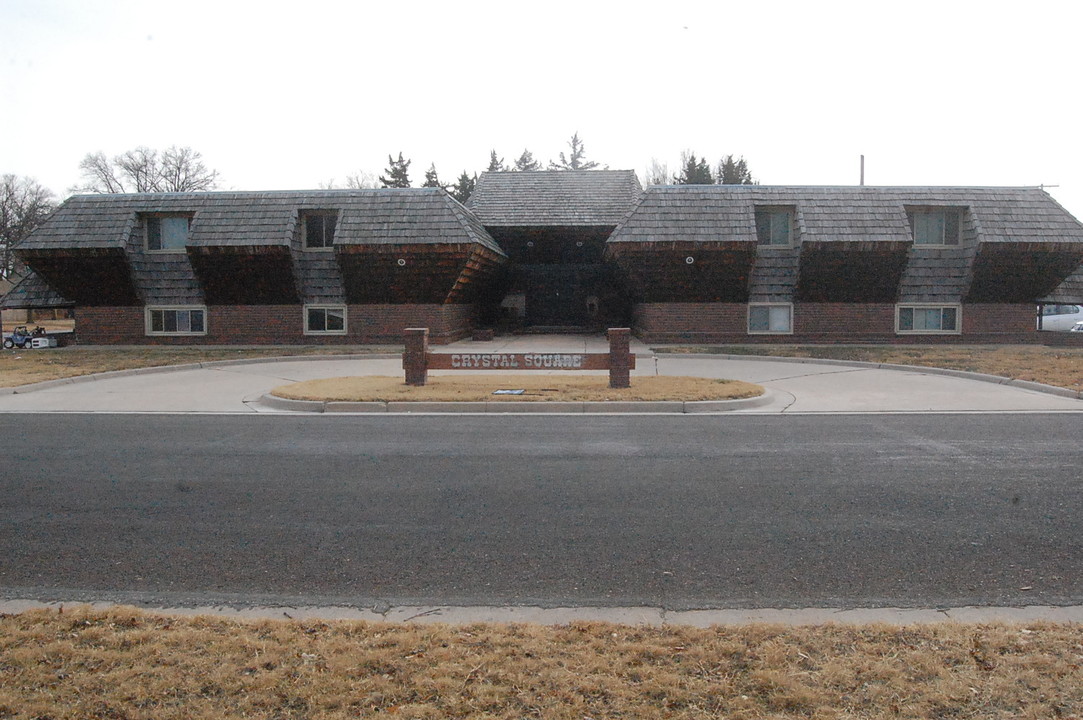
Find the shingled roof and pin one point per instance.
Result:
(250, 219)
(841, 214)
(1069, 291)
(32, 292)
(564, 198)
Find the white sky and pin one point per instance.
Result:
(283, 95)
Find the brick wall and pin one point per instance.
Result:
(829, 323)
(109, 325)
(653, 322)
(278, 325)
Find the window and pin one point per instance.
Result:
(774, 226)
(934, 227)
(319, 230)
(1060, 309)
(325, 320)
(927, 319)
(167, 233)
(774, 318)
(176, 321)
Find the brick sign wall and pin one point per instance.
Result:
(619, 361)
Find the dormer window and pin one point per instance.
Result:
(319, 229)
(774, 226)
(934, 227)
(167, 233)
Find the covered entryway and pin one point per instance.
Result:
(554, 225)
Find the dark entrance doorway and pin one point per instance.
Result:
(559, 280)
(558, 295)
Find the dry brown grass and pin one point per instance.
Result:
(1062, 367)
(477, 388)
(122, 663)
(20, 367)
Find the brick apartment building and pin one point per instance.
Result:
(558, 251)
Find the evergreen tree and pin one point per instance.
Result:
(527, 163)
(496, 164)
(575, 161)
(463, 187)
(733, 171)
(693, 172)
(431, 178)
(398, 173)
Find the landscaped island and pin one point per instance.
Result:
(476, 388)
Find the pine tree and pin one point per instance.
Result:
(496, 164)
(398, 173)
(463, 187)
(575, 161)
(693, 172)
(527, 163)
(431, 178)
(733, 171)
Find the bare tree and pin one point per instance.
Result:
(360, 180)
(182, 170)
(99, 175)
(657, 173)
(24, 204)
(145, 170)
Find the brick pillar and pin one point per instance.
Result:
(414, 359)
(620, 359)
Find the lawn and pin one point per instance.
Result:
(20, 367)
(123, 663)
(1062, 367)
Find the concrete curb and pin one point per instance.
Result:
(642, 616)
(919, 369)
(510, 407)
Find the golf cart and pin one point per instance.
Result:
(23, 338)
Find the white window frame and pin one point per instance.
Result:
(943, 214)
(776, 215)
(325, 307)
(149, 320)
(958, 330)
(305, 215)
(158, 217)
(769, 305)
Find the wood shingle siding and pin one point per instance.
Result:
(580, 249)
(248, 249)
(33, 292)
(855, 243)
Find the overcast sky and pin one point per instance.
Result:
(293, 95)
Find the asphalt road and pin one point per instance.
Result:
(672, 511)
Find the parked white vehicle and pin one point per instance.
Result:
(1061, 318)
(1078, 327)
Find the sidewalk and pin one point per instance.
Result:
(794, 386)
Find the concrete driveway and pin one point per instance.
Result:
(794, 386)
